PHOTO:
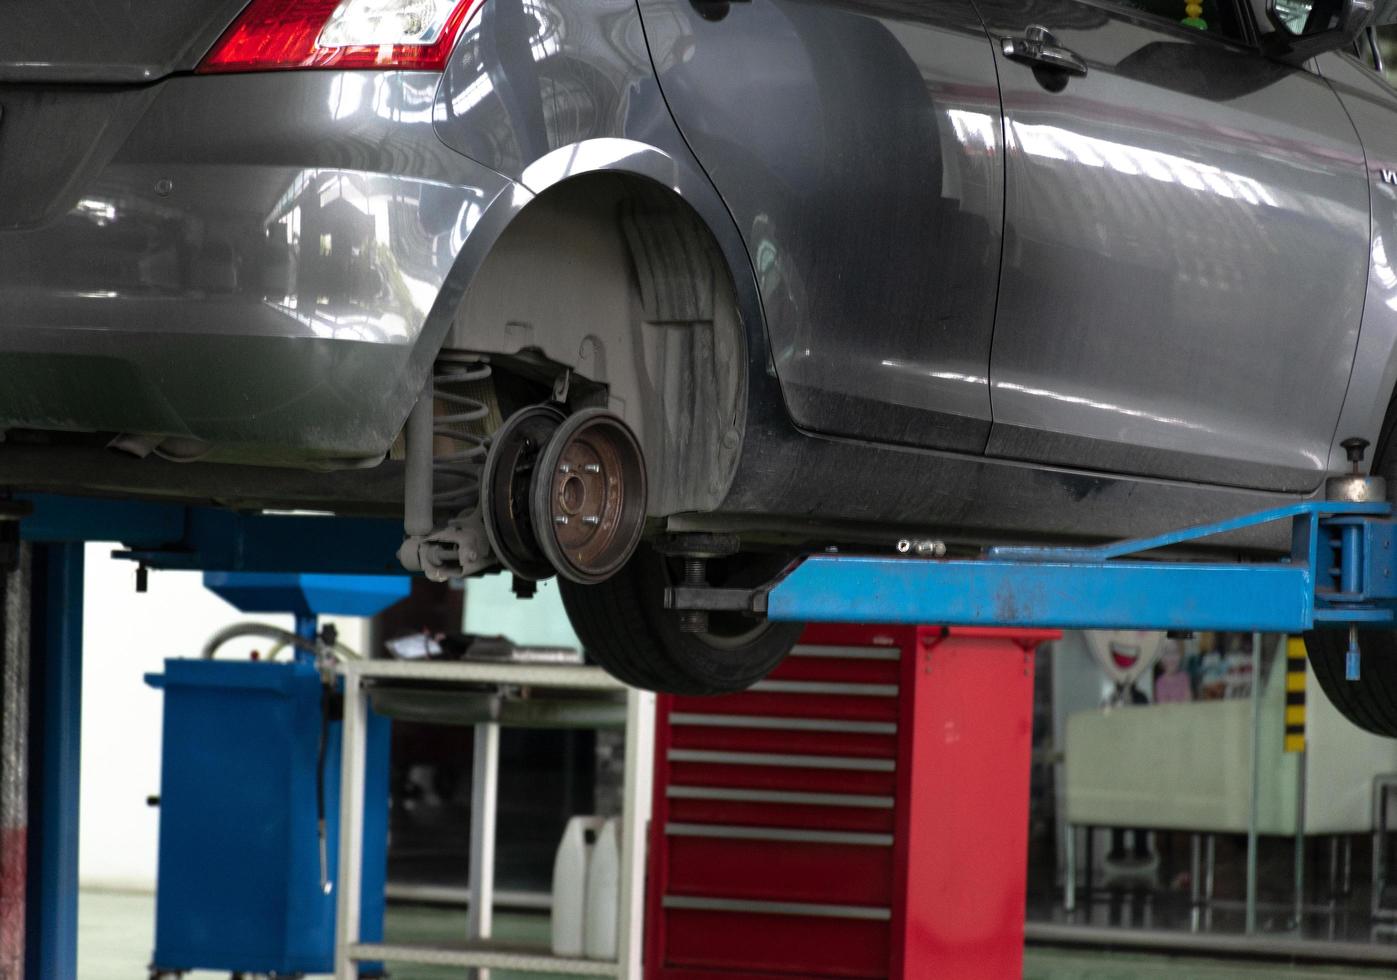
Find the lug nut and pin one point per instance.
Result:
(593, 520)
(592, 468)
(560, 519)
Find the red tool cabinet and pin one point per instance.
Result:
(862, 813)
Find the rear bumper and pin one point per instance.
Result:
(246, 260)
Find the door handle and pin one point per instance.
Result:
(1038, 47)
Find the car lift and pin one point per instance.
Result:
(1339, 573)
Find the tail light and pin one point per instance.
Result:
(399, 34)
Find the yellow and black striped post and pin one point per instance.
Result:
(1294, 694)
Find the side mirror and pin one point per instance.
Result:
(1305, 28)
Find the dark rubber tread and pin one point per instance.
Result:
(623, 626)
(1371, 702)
(604, 617)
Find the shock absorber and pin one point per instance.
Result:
(459, 443)
(447, 445)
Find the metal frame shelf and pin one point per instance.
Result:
(481, 953)
(484, 958)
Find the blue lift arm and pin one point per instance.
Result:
(1341, 571)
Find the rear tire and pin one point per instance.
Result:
(625, 628)
(1371, 701)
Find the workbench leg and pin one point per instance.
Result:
(1090, 833)
(55, 734)
(1299, 912)
(1195, 869)
(1348, 865)
(1379, 869)
(353, 740)
(1333, 871)
(1210, 874)
(485, 783)
(635, 818)
(1069, 873)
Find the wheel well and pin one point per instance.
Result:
(617, 279)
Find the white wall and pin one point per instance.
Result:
(125, 636)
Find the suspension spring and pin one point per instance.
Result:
(459, 447)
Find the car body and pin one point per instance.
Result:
(848, 269)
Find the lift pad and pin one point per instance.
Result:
(1340, 572)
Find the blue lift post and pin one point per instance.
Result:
(51, 940)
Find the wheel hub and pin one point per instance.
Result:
(589, 496)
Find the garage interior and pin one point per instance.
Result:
(272, 742)
(1213, 830)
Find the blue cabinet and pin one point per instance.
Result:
(239, 884)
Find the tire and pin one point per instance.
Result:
(625, 628)
(1370, 702)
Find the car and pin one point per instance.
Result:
(637, 292)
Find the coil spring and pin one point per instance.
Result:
(456, 474)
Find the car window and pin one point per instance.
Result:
(1218, 17)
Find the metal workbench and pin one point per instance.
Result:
(478, 950)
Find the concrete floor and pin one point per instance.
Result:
(115, 929)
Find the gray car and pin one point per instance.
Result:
(634, 291)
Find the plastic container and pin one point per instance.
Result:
(603, 894)
(570, 866)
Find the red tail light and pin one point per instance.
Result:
(414, 35)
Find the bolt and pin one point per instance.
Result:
(1355, 448)
(565, 468)
(695, 576)
(560, 519)
(931, 549)
(591, 468)
(591, 519)
(904, 546)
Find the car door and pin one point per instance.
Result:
(1185, 248)
(858, 146)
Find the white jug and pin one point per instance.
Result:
(570, 867)
(604, 893)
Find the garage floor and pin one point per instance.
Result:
(115, 937)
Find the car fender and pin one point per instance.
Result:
(523, 75)
(551, 96)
